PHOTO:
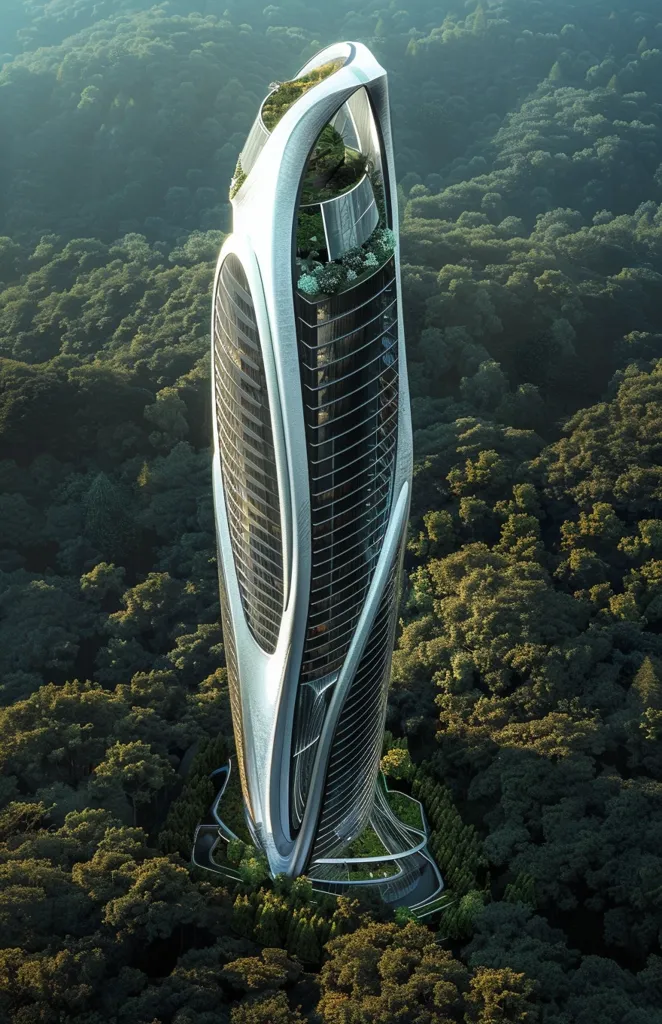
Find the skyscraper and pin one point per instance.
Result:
(312, 473)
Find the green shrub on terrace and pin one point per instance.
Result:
(387, 870)
(328, 154)
(368, 844)
(397, 764)
(329, 279)
(238, 179)
(343, 177)
(310, 231)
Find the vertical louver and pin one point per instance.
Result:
(248, 461)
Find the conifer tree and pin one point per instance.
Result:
(243, 916)
(266, 930)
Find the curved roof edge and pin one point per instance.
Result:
(360, 64)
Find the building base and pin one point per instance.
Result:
(398, 866)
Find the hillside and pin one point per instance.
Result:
(528, 672)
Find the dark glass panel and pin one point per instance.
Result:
(349, 376)
(356, 749)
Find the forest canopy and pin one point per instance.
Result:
(527, 679)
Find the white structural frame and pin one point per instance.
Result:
(264, 214)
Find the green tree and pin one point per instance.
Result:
(397, 764)
(133, 769)
(500, 995)
(107, 521)
(168, 415)
(271, 1009)
(160, 897)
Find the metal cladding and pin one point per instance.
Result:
(312, 475)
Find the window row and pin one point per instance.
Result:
(248, 462)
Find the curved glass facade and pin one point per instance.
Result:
(356, 751)
(348, 352)
(234, 687)
(248, 461)
(311, 495)
(350, 219)
(254, 145)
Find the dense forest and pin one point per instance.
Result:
(527, 680)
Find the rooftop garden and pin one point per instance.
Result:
(287, 93)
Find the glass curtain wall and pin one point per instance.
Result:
(349, 375)
(248, 460)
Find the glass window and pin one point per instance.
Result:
(248, 462)
(315, 313)
(350, 219)
(349, 379)
(356, 749)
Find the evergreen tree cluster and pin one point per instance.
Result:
(294, 918)
(194, 802)
(456, 846)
